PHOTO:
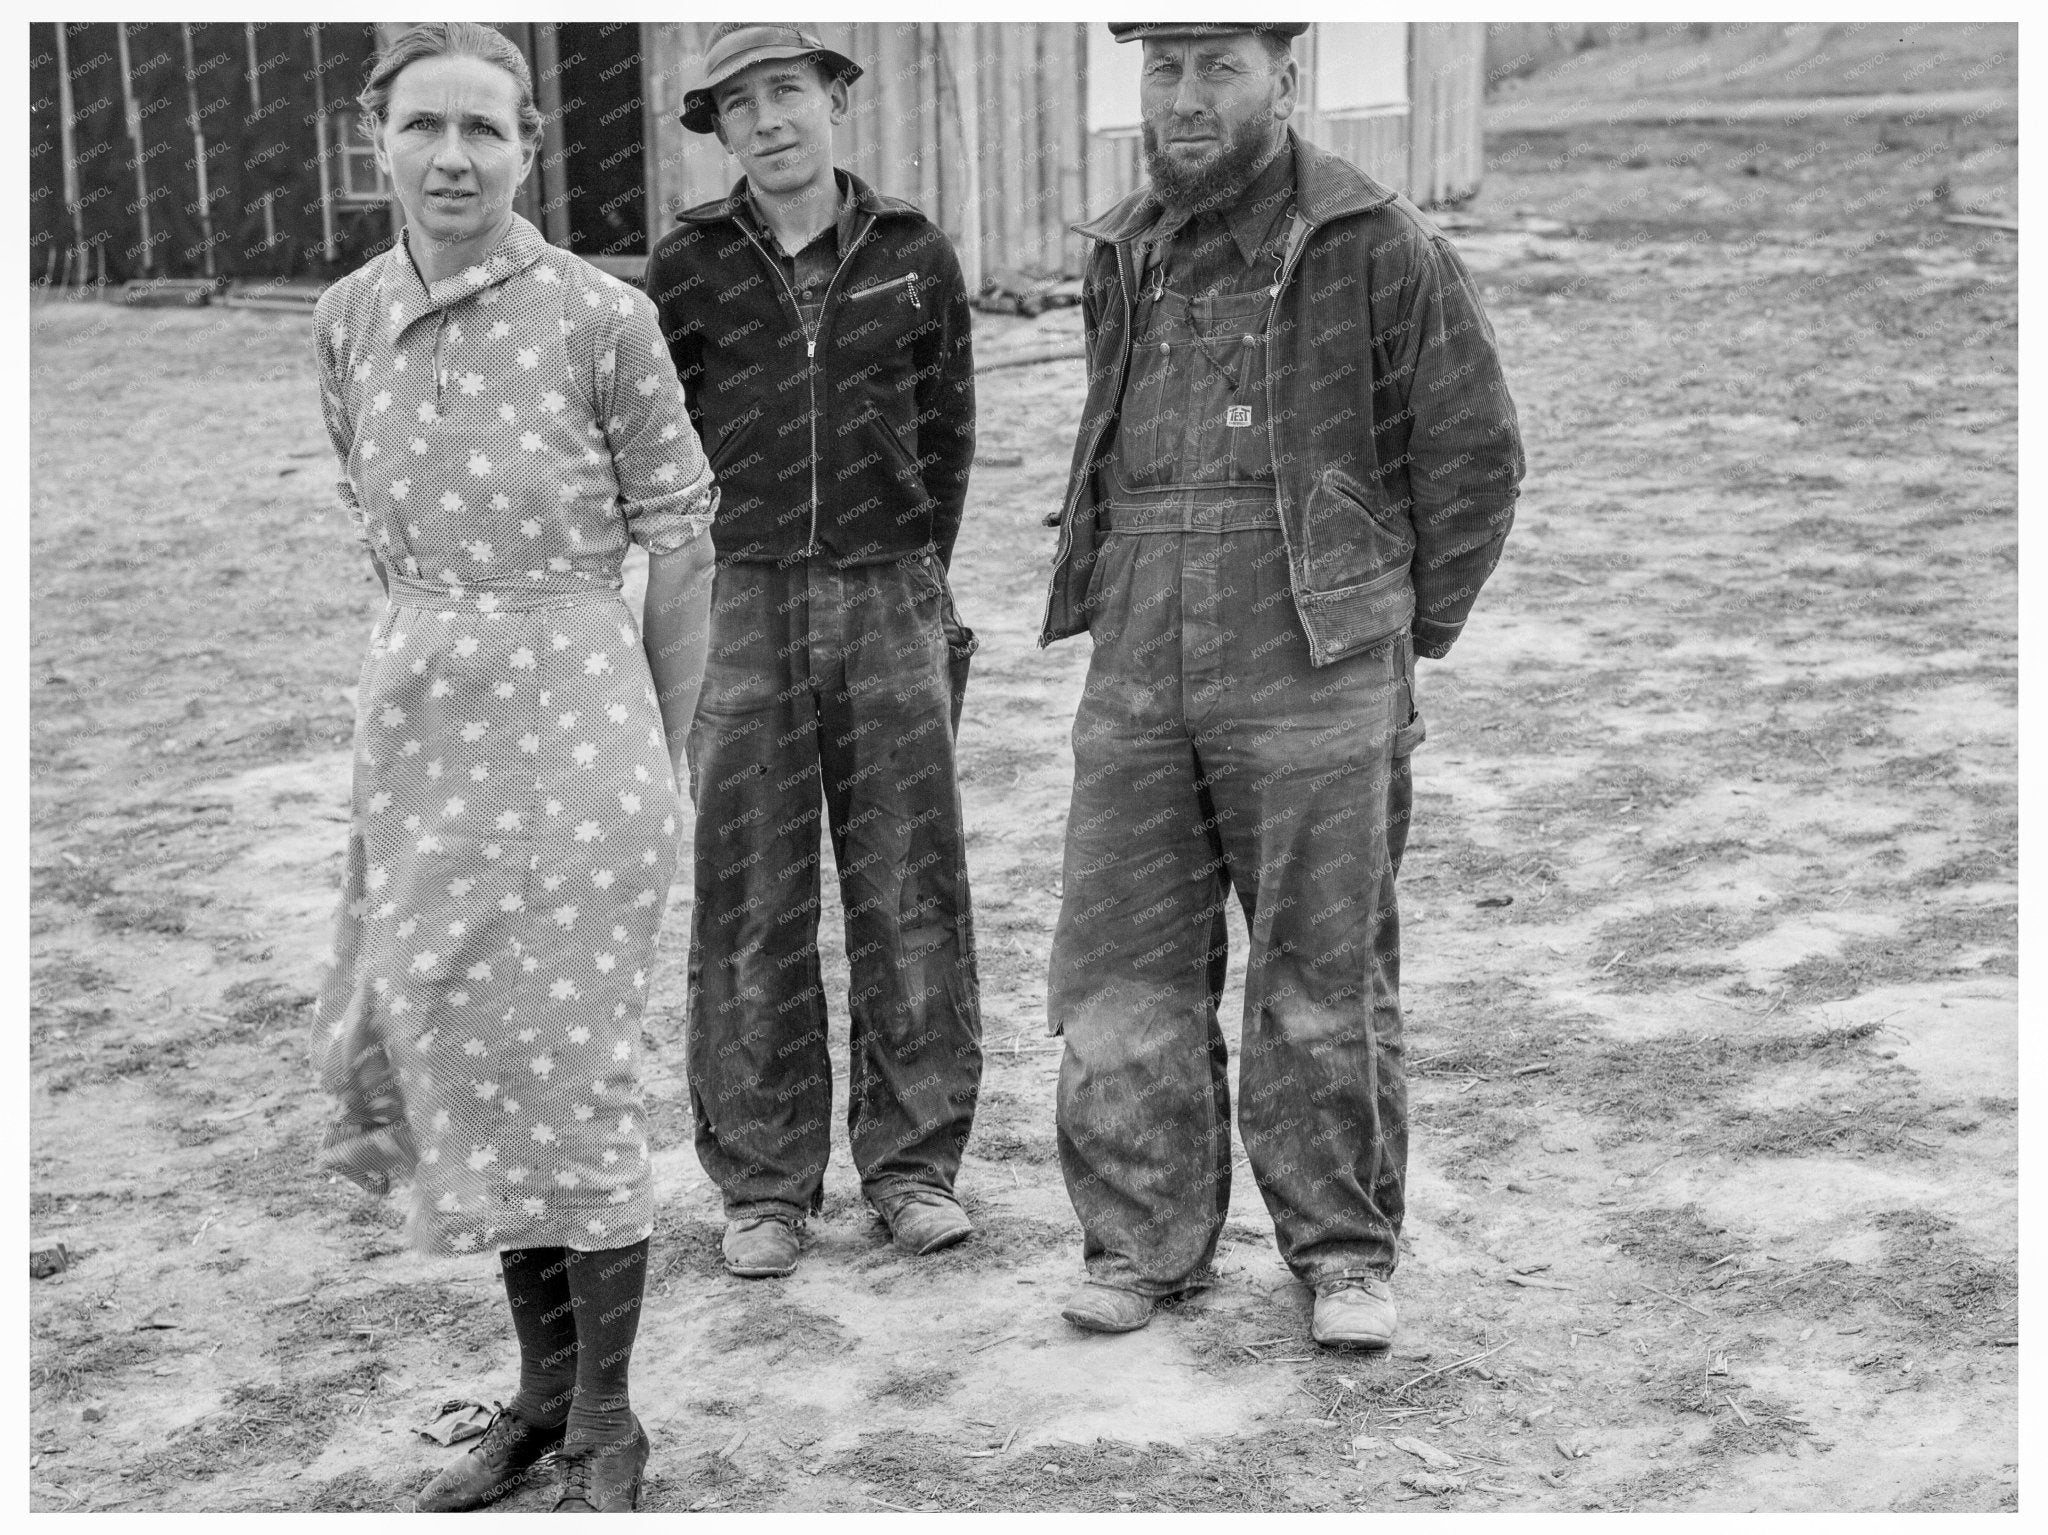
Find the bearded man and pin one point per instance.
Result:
(1295, 469)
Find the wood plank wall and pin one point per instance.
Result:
(1446, 81)
(904, 134)
(1375, 142)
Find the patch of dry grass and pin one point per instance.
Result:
(1270, 1471)
(686, 1248)
(1001, 1242)
(1662, 1237)
(357, 1491)
(286, 1424)
(1641, 1085)
(70, 1356)
(393, 1315)
(258, 1005)
(1830, 1125)
(1927, 947)
(915, 1387)
(774, 1328)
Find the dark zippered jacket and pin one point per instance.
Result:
(858, 445)
(1394, 440)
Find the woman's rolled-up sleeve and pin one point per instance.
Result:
(327, 337)
(666, 491)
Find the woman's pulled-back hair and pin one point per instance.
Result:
(444, 39)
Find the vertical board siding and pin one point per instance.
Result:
(1446, 79)
(1432, 150)
(1065, 109)
(903, 133)
(930, 155)
(1115, 166)
(260, 146)
(1375, 142)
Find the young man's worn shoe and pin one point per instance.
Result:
(1099, 1308)
(761, 1246)
(603, 1478)
(1354, 1313)
(924, 1220)
(492, 1469)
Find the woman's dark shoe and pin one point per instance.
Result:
(493, 1469)
(603, 1478)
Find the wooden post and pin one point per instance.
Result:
(256, 106)
(929, 136)
(132, 115)
(327, 245)
(554, 171)
(66, 108)
(198, 145)
(1421, 104)
(651, 136)
(894, 88)
(1070, 119)
(963, 69)
(387, 32)
(1308, 112)
(1016, 139)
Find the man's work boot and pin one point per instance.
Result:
(1099, 1308)
(761, 1246)
(493, 1468)
(924, 1220)
(1354, 1313)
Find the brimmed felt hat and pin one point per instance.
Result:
(739, 45)
(1132, 31)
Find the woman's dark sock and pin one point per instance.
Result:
(606, 1288)
(544, 1316)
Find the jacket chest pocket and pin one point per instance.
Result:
(902, 290)
(871, 335)
(869, 392)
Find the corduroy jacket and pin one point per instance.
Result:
(1394, 439)
(857, 445)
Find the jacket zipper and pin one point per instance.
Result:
(1066, 538)
(1298, 234)
(811, 351)
(884, 287)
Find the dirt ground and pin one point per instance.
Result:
(1710, 915)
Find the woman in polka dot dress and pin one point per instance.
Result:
(507, 418)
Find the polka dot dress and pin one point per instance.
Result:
(503, 435)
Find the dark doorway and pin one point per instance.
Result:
(603, 134)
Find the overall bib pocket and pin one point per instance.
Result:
(1195, 409)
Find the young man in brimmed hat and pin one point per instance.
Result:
(820, 330)
(1296, 466)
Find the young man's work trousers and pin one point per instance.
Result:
(835, 687)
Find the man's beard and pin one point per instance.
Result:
(1218, 180)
